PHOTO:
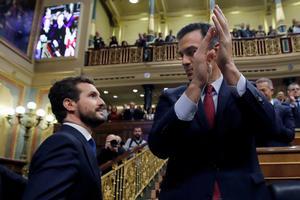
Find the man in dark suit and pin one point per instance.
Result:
(284, 116)
(65, 165)
(207, 128)
(293, 100)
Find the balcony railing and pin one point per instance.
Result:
(129, 179)
(264, 46)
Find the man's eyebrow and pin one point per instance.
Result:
(188, 49)
(191, 48)
(94, 93)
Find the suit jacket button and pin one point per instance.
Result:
(260, 99)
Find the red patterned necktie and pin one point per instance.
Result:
(209, 106)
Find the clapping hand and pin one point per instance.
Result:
(202, 70)
(224, 58)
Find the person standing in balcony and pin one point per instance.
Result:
(98, 41)
(170, 37)
(65, 166)
(207, 128)
(113, 42)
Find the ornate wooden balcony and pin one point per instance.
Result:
(245, 47)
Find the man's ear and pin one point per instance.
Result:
(69, 104)
(211, 55)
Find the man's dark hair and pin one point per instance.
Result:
(202, 27)
(65, 88)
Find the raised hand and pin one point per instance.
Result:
(224, 58)
(202, 70)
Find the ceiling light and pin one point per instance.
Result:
(105, 92)
(142, 95)
(235, 12)
(188, 15)
(31, 105)
(133, 1)
(296, 3)
(115, 96)
(135, 90)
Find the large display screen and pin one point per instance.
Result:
(58, 33)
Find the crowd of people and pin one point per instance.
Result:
(208, 129)
(115, 146)
(143, 40)
(129, 112)
(246, 32)
(240, 31)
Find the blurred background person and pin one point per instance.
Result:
(284, 116)
(109, 152)
(135, 140)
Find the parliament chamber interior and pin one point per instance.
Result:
(130, 50)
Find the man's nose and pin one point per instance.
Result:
(186, 60)
(101, 101)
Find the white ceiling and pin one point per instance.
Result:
(125, 94)
(174, 6)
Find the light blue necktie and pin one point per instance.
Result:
(92, 145)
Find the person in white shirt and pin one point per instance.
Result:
(135, 140)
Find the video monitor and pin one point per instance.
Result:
(58, 32)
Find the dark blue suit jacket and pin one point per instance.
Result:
(64, 167)
(12, 185)
(199, 156)
(296, 113)
(286, 122)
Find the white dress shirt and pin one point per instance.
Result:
(82, 130)
(186, 109)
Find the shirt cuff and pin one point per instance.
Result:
(241, 85)
(185, 108)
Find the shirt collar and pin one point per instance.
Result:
(216, 84)
(82, 130)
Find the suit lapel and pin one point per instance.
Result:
(223, 97)
(88, 153)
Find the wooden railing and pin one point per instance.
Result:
(249, 47)
(13, 164)
(128, 179)
(115, 55)
(296, 141)
(280, 163)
